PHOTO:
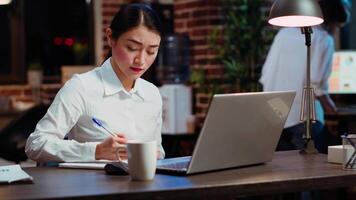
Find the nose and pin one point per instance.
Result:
(139, 59)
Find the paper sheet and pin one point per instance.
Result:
(13, 173)
(96, 164)
(85, 165)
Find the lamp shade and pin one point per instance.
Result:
(295, 13)
(4, 2)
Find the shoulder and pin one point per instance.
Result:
(148, 85)
(87, 81)
(150, 91)
(79, 85)
(88, 77)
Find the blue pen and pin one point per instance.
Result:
(97, 122)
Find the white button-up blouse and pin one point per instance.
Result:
(98, 93)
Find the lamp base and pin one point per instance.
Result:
(309, 147)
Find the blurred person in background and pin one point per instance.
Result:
(285, 69)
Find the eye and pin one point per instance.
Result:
(151, 53)
(130, 48)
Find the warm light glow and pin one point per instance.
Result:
(296, 21)
(69, 42)
(4, 2)
(57, 41)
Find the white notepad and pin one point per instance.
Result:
(96, 164)
(82, 165)
(13, 173)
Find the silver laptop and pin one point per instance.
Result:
(239, 130)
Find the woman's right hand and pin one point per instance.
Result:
(112, 148)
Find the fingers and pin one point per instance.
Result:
(120, 135)
(122, 154)
(120, 147)
(120, 138)
(114, 148)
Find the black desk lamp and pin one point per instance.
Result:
(303, 14)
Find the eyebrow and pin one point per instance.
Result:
(140, 43)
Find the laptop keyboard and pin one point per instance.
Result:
(174, 163)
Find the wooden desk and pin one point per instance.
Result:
(288, 172)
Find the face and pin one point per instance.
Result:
(133, 52)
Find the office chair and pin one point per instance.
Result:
(14, 136)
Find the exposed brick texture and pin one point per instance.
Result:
(197, 18)
(109, 9)
(24, 93)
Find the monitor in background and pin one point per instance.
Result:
(343, 75)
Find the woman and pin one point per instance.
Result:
(285, 69)
(113, 93)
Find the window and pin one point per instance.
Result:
(54, 33)
(58, 32)
(12, 43)
(5, 43)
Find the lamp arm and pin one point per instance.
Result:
(308, 93)
(307, 31)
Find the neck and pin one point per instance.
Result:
(127, 83)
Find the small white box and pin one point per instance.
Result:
(177, 108)
(335, 154)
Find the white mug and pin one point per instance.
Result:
(142, 158)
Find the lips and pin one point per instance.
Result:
(136, 69)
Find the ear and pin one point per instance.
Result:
(109, 37)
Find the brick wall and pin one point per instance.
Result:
(108, 10)
(23, 94)
(197, 18)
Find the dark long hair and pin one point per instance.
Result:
(131, 16)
